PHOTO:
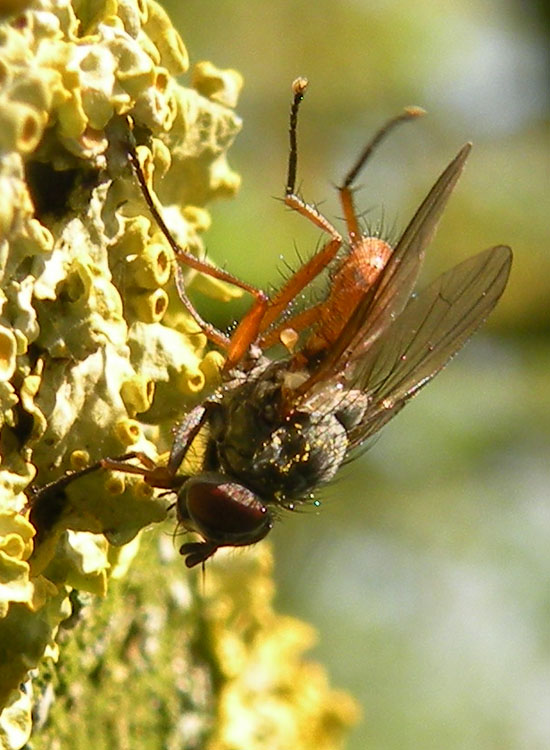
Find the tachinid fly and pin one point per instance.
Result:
(278, 429)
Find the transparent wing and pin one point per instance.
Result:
(434, 325)
(385, 300)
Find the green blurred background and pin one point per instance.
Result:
(427, 571)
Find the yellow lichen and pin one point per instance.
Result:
(128, 431)
(15, 720)
(158, 26)
(211, 367)
(222, 86)
(115, 484)
(22, 127)
(81, 264)
(152, 267)
(191, 381)
(271, 696)
(8, 351)
(137, 394)
(150, 307)
(15, 548)
(79, 460)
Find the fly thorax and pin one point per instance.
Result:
(279, 456)
(244, 420)
(292, 459)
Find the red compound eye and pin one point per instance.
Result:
(225, 514)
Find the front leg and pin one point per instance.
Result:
(47, 503)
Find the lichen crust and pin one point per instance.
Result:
(272, 696)
(97, 357)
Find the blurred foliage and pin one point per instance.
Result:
(430, 582)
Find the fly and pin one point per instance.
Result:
(278, 429)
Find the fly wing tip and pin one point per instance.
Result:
(499, 259)
(506, 249)
(464, 152)
(506, 256)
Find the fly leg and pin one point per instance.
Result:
(312, 268)
(345, 190)
(237, 345)
(47, 503)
